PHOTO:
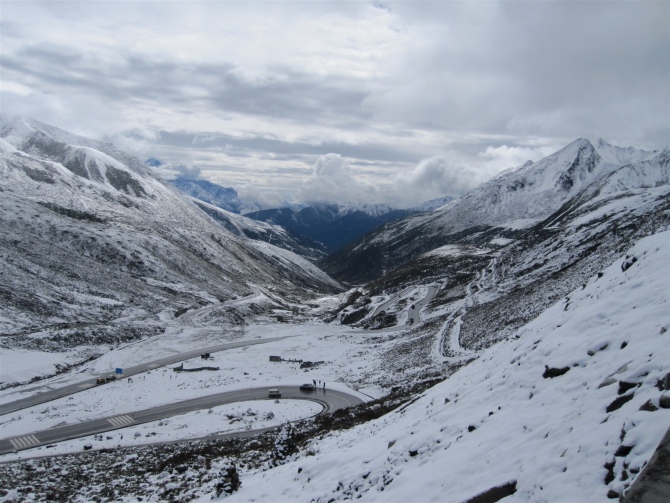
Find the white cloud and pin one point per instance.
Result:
(254, 199)
(172, 171)
(503, 157)
(332, 181)
(436, 177)
(257, 77)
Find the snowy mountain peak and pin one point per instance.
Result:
(622, 155)
(516, 199)
(16, 129)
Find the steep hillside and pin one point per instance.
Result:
(94, 248)
(262, 231)
(504, 207)
(570, 408)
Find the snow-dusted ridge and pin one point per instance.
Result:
(83, 221)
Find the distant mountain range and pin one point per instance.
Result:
(332, 225)
(325, 227)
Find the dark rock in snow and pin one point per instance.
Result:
(618, 402)
(494, 494)
(554, 372)
(625, 386)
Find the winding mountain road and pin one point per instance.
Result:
(414, 310)
(53, 394)
(330, 400)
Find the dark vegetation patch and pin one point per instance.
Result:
(354, 316)
(65, 336)
(38, 175)
(381, 320)
(76, 214)
(124, 181)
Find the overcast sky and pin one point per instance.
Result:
(394, 102)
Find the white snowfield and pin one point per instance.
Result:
(499, 421)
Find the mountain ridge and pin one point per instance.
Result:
(87, 238)
(512, 201)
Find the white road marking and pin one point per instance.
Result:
(24, 442)
(120, 421)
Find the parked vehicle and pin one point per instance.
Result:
(110, 378)
(100, 380)
(274, 393)
(307, 387)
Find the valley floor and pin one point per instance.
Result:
(569, 408)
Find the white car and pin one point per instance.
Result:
(274, 393)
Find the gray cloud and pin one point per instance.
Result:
(435, 96)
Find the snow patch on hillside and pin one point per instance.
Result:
(572, 437)
(455, 251)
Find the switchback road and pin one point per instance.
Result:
(53, 394)
(330, 400)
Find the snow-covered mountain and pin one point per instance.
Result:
(320, 229)
(332, 225)
(91, 240)
(433, 204)
(504, 206)
(222, 197)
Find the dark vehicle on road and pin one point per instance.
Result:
(307, 387)
(274, 393)
(110, 378)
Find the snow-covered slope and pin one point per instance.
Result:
(514, 200)
(262, 231)
(211, 193)
(91, 239)
(568, 409)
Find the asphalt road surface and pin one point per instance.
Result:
(330, 400)
(53, 394)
